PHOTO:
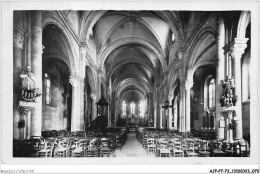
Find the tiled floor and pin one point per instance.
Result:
(132, 148)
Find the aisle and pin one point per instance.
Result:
(132, 148)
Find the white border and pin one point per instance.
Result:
(154, 165)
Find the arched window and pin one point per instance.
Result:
(209, 92)
(47, 85)
(132, 107)
(211, 88)
(124, 108)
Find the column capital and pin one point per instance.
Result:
(83, 50)
(170, 97)
(74, 80)
(18, 39)
(99, 73)
(188, 85)
(93, 96)
(238, 47)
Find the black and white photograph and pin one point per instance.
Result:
(123, 83)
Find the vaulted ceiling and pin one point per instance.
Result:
(132, 46)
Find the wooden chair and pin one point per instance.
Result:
(61, 149)
(160, 144)
(217, 149)
(79, 150)
(105, 148)
(190, 151)
(46, 149)
(164, 151)
(176, 150)
(150, 145)
(92, 151)
(203, 149)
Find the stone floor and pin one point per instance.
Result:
(132, 148)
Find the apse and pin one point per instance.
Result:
(132, 96)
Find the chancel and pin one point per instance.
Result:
(131, 84)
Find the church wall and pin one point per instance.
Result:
(52, 115)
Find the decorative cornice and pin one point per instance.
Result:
(188, 85)
(18, 39)
(238, 47)
(74, 80)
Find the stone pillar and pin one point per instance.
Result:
(94, 106)
(188, 85)
(175, 112)
(18, 39)
(99, 81)
(237, 49)
(117, 110)
(170, 113)
(150, 108)
(113, 108)
(182, 91)
(82, 86)
(160, 116)
(36, 59)
(109, 93)
(178, 114)
(75, 109)
(220, 70)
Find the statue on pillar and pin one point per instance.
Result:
(228, 99)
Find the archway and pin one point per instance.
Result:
(57, 91)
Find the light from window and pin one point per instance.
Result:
(142, 108)
(132, 107)
(211, 93)
(47, 89)
(124, 108)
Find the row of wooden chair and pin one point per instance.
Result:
(176, 147)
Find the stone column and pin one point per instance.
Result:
(18, 39)
(175, 112)
(188, 85)
(36, 59)
(75, 109)
(117, 110)
(170, 113)
(82, 85)
(160, 116)
(94, 106)
(178, 114)
(150, 108)
(237, 49)
(220, 77)
(113, 108)
(109, 108)
(182, 90)
(99, 81)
